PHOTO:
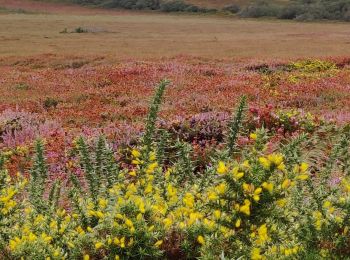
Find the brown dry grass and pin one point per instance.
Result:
(152, 35)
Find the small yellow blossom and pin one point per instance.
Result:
(253, 136)
(98, 245)
(303, 167)
(286, 184)
(265, 163)
(158, 243)
(200, 240)
(132, 173)
(221, 169)
(268, 186)
(238, 223)
(262, 232)
(281, 202)
(217, 214)
(135, 153)
(245, 208)
(302, 177)
(255, 254)
(221, 188)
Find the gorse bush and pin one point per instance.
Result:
(301, 10)
(233, 8)
(249, 202)
(133, 4)
(160, 5)
(259, 9)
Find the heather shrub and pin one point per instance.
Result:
(20, 127)
(200, 127)
(283, 122)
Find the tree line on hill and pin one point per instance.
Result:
(302, 10)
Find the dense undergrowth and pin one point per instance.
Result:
(302, 10)
(273, 186)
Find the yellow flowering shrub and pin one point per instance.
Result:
(252, 203)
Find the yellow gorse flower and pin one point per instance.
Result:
(253, 136)
(245, 208)
(135, 153)
(286, 184)
(262, 234)
(237, 174)
(221, 188)
(256, 255)
(158, 243)
(268, 186)
(200, 240)
(98, 245)
(221, 169)
(265, 163)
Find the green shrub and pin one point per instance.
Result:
(174, 6)
(291, 11)
(50, 102)
(259, 9)
(80, 30)
(316, 10)
(147, 4)
(133, 4)
(22, 86)
(232, 8)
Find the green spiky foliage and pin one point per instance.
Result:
(105, 164)
(184, 166)
(2, 171)
(2, 161)
(93, 180)
(292, 149)
(38, 178)
(235, 125)
(100, 168)
(162, 146)
(54, 195)
(152, 115)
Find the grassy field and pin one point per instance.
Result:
(150, 35)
